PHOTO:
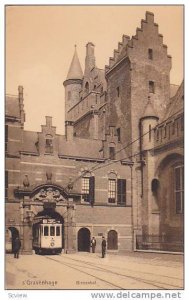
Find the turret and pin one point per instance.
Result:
(146, 126)
(73, 84)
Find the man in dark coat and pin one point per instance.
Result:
(16, 247)
(93, 244)
(103, 247)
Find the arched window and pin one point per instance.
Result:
(154, 185)
(179, 188)
(151, 87)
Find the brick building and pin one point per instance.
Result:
(118, 171)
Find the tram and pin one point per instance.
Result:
(47, 236)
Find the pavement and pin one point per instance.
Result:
(82, 270)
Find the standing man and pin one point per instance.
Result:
(93, 244)
(16, 247)
(103, 247)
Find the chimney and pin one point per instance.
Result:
(48, 121)
(21, 104)
(90, 58)
(69, 130)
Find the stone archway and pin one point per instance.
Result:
(84, 237)
(11, 234)
(171, 221)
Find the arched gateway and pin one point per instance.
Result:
(54, 204)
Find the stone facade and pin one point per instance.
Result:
(124, 136)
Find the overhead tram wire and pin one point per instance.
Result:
(96, 167)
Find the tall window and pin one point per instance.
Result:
(88, 189)
(119, 134)
(118, 91)
(85, 188)
(87, 87)
(179, 189)
(150, 132)
(151, 87)
(112, 190)
(150, 53)
(121, 192)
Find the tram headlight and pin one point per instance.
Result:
(52, 244)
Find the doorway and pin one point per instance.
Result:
(112, 240)
(84, 240)
(11, 234)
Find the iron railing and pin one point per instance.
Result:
(160, 243)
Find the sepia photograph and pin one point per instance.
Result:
(94, 148)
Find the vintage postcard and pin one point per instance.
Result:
(94, 149)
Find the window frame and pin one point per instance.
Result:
(112, 191)
(46, 230)
(85, 188)
(179, 189)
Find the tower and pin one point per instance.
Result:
(73, 85)
(147, 124)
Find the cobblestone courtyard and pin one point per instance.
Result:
(89, 271)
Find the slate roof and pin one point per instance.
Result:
(75, 71)
(176, 103)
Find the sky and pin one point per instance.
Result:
(40, 45)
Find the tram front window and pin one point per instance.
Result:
(46, 231)
(52, 231)
(58, 231)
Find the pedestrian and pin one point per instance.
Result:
(16, 247)
(103, 247)
(93, 244)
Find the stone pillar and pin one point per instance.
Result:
(27, 239)
(26, 227)
(95, 125)
(70, 228)
(153, 209)
(136, 201)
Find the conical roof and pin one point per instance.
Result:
(149, 110)
(75, 71)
